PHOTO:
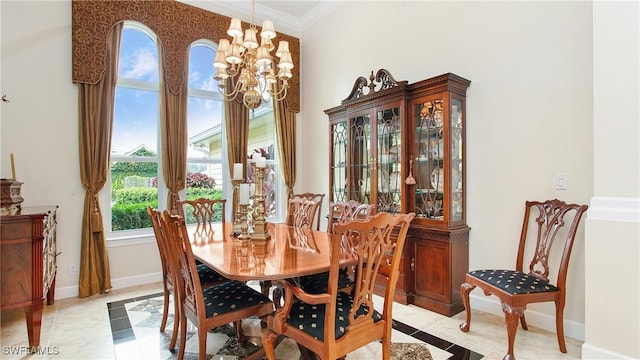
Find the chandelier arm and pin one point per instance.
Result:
(232, 95)
(282, 91)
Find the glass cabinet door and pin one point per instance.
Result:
(388, 160)
(359, 164)
(429, 161)
(339, 141)
(457, 193)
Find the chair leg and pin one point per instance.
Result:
(183, 336)
(269, 339)
(176, 323)
(239, 333)
(512, 316)
(165, 309)
(465, 289)
(202, 344)
(523, 322)
(560, 326)
(386, 348)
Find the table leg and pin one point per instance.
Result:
(265, 287)
(33, 315)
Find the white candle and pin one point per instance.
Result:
(261, 162)
(13, 167)
(244, 194)
(237, 171)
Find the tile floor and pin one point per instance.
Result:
(86, 329)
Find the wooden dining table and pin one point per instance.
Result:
(289, 253)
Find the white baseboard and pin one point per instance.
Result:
(540, 320)
(120, 283)
(594, 352)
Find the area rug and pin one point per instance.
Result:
(399, 351)
(136, 335)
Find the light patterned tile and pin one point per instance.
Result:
(80, 329)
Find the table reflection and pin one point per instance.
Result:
(291, 252)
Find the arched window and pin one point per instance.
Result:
(135, 141)
(136, 157)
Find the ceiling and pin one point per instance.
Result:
(290, 16)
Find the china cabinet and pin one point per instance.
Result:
(401, 146)
(28, 266)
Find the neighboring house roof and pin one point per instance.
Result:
(138, 148)
(205, 135)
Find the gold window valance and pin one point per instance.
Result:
(177, 26)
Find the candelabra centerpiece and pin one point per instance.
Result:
(238, 177)
(260, 231)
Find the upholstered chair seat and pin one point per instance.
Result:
(514, 282)
(310, 318)
(317, 283)
(208, 275)
(230, 295)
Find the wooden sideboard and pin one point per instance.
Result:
(28, 263)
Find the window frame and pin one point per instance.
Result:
(134, 236)
(145, 235)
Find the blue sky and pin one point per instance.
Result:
(136, 111)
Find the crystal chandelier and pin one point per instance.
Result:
(249, 65)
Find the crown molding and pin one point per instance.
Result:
(284, 22)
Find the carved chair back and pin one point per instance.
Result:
(313, 197)
(204, 213)
(302, 212)
(349, 210)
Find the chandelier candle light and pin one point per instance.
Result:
(249, 65)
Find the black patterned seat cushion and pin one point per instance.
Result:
(514, 282)
(230, 296)
(317, 283)
(310, 318)
(208, 275)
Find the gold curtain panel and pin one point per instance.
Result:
(177, 26)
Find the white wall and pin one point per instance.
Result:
(530, 115)
(529, 107)
(40, 126)
(613, 226)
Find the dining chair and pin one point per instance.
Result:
(204, 213)
(318, 198)
(543, 223)
(335, 323)
(301, 214)
(339, 212)
(208, 308)
(206, 275)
